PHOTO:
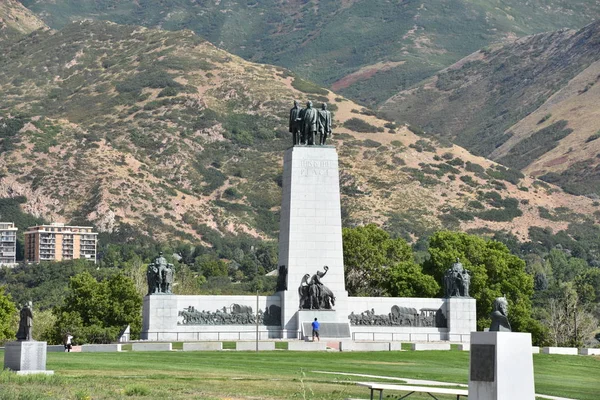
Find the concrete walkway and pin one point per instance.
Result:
(425, 382)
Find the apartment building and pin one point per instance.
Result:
(58, 242)
(8, 243)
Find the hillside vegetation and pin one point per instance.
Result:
(16, 20)
(531, 105)
(367, 50)
(162, 131)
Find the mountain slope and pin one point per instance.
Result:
(163, 131)
(16, 20)
(367, 50)
(531, 104)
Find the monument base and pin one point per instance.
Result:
(26, 357)
(501, 366)
(329, 321)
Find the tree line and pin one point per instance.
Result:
(554, 295)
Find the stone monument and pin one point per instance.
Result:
(26, 356)
(501, 365)
(310, 273)
(310, 237)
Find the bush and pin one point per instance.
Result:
(358, 125)
(469, 180)
(422, 145)
(308, 87)
(371, 143)
(593, 137)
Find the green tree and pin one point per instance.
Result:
(209, 265)
(406, 279)
(95, 311)
(8, 315)
(494, 272)
(369, 252)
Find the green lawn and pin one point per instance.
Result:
(269, 375)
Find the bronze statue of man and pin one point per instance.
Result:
(309, 123)
(499, 316)
(25, 323)
(324, 124)
(295, 123)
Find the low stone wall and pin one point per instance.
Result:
(364, 346)
(307, 346)
(55, 348)
(203, 346)
(251, 346)
(572, 351)
(151, 347)
(589, 352)
(464, 347)
(101, 348)
(430, 346)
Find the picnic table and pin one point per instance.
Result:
(430, 390)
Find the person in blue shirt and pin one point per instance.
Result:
(315, 330)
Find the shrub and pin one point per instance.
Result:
(593, 137)
(371, 143)
(475, 168)
(358, 125)
(308, 87)
(469, 180)
(422, 145)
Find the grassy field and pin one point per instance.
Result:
(269, 375)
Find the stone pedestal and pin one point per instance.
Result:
(462, 318)
(26, 357)
(501, 366)
(159, 316)
(311, 228)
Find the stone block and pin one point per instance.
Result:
(55, 348)
(101, 348)
(501, 366)
(307, 346)
(251, 346)
(203, 346)
(535, 349)
(589, 352)
(151, 346)
(430, 346)
(364, 346)
(464, 347)
(570, 351)
(395, 346)
(26, 357)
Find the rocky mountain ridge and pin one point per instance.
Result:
(531, 105)
(163, 131)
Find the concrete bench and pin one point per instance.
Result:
(101, 348)
(203, 346)
(430, 346)
(151, 347)
(571, 351)
(251, 346)
(380, 387)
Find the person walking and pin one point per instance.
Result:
(315, 330)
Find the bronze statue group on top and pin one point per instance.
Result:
(306, 123)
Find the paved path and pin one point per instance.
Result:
(424, 382)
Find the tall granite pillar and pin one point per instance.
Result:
(311, 231)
